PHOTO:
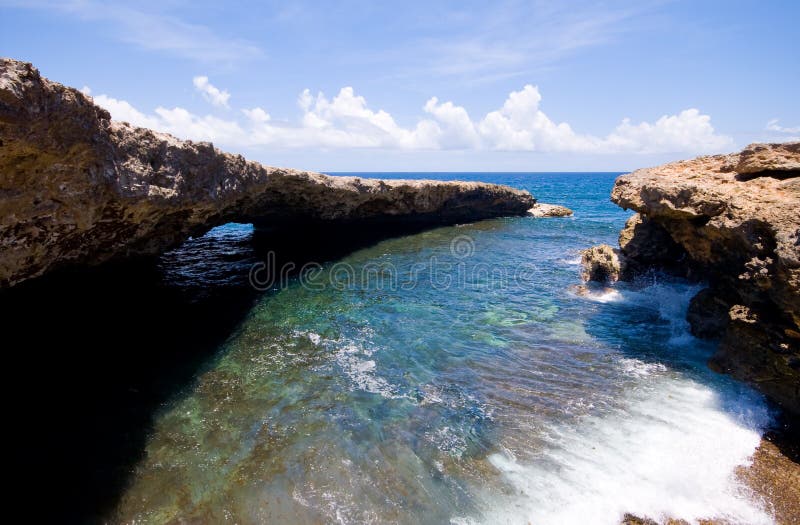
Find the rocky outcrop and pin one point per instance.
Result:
(541, 209)
(79, 188)
(644, 244)
(733, 220)
(603, 264)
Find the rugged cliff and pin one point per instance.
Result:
(733, 220)
(79, 188)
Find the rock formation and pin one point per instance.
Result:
(602, 264)
(541, 209)
(79, 188)
(733, 220)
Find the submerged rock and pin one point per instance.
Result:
(541, 209)
(733, 220)
(79, 188)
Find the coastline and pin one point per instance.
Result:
(747, 256)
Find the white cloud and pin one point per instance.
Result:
(773, 125)
(123, 111)
(688, 131)
(521, 126)
(210, 92)
(346, 121)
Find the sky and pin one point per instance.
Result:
(431, 86)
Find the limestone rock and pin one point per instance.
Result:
(648, 244)
(774, 476)
(756, 350)
(602, 264)
(708, 315)
(736, 220)
(78, 188)
(771, 160)
(541, 209)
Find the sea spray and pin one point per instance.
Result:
(669, 451)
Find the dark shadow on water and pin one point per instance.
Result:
(91, 355)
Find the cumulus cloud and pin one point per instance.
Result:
(521, 126)
(346, 121)
(210, 92)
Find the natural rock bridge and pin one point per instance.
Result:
(78, 188)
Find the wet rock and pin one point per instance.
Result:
(602, 263)
(647, 244)
(77, 188)
(732, 220)
(754, 350)
(541, 209)
(708, 315)
(774, 477)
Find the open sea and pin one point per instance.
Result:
(459, 375)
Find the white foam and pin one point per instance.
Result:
(670, 449)
(575, 261)
(671, 300)
(671, 453)
(636, 368)
(353, 358)
(602, 295)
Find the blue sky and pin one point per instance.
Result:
(440, 86)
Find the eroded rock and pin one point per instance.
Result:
(733, 220)
(708, 315)
(769, 160)
(79, 188)
(602, 263)
(647, 244)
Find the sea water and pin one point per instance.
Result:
(458, 375)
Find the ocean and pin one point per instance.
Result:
(462, 374)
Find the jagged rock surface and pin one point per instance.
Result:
(78, 188)
(603, 264)
(735, 221)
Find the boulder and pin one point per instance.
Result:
(602, 263)
(541, 209)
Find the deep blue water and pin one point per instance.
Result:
(462, 374)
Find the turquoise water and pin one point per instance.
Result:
(459, 375)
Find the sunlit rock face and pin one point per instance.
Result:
(79, 188)
(733, 220)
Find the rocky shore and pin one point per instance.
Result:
(77, 188)
(733, 221)
(772, 479)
